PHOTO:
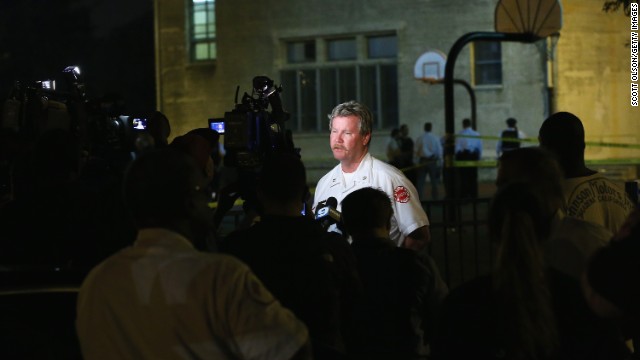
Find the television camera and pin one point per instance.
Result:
(251, 133)
(33, 108)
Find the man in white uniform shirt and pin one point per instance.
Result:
(468, 148)
(350, 124)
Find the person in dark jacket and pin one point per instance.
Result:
(310, 271)
(401, 289)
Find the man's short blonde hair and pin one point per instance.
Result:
(354, 108)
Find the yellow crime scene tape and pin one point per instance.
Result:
(535, 140)
(494, 163)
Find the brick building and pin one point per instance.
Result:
(325, 52)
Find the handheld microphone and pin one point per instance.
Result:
(328, 215)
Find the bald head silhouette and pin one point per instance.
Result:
(563, 134)
(366, 211)
(163, 188)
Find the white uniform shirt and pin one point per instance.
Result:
(469, 143)
(162, 299)
(408, 214)
(428, 146)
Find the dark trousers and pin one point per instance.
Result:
(428, 167)
(467, 177)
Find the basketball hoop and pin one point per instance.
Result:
(536, 17)
(429, 67)
(430, 80)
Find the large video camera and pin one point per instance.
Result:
(34, 108)
(252, 132)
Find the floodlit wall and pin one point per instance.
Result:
(592, 66)
(593, 63)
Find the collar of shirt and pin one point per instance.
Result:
(161, 237)
(362, 173)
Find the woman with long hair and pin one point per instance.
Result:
(524, 309)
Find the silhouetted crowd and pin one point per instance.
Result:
(160, 282)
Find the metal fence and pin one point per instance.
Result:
(460, 243)
(459, 238)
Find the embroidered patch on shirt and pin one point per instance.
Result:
(401, 194)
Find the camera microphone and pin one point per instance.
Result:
(328, 215)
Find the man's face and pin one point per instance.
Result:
(347, 144)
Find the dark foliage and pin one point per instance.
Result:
(614, 5)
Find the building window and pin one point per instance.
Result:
(341, 49)
(203, 30)
(487, 59)
(301, 51)
(380, 47)
(314, 85)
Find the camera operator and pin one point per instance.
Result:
(310, 271)
(252, 134)
(350, 124)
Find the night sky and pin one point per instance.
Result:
(110, 40)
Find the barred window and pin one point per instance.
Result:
(203, 30)
(362, 68)
(487, 59)
(301, 51)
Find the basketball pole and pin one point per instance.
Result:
(470, 91)
(448, 91)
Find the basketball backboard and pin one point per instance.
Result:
(430, 66)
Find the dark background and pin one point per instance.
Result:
(112, 42)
